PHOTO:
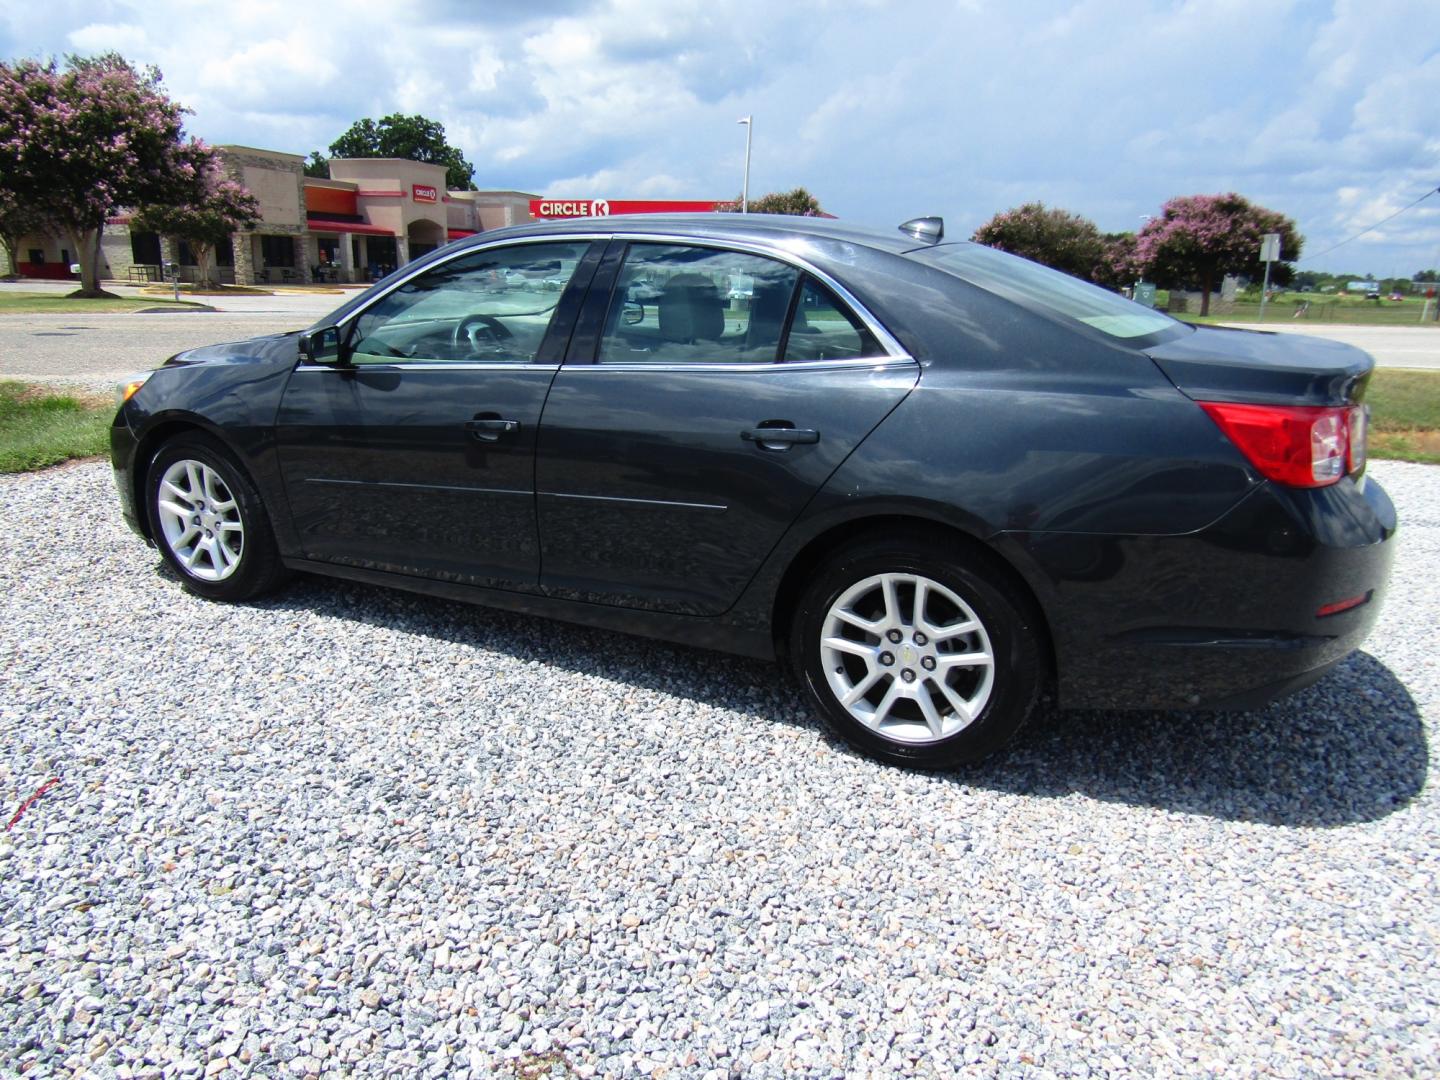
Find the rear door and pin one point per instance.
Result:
(698, 412)
(417, 455)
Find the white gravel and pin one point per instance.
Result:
(351, 830)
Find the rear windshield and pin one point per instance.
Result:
(1049, 290)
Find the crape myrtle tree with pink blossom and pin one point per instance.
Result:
(80, 142)
(224, 207)
(1198, 239)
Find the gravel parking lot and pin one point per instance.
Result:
(350, 830)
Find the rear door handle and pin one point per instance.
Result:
(491, 429)
(780, 438)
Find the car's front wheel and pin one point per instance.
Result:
(915, 655)
(209, 522)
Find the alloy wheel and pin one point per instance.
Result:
(907, 657)
(200, 518)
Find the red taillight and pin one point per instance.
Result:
(1342, 605)
(1301, 445)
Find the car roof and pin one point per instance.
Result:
(714, 226)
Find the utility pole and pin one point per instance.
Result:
(745, 187)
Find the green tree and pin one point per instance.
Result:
(1047, 235)
(80, 143)
(797, 202)
(224, 207)
(1118, 266)
(1197, 239)
(414, 138)
(317, 165)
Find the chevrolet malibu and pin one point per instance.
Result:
(935, 480)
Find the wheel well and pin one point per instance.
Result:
(787, 596)
(145, 453)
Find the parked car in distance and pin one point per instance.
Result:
(935, 480)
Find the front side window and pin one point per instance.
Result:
(486, 307)
(676, 304)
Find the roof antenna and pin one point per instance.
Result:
(929, 229)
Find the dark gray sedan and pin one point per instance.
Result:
(935, 479)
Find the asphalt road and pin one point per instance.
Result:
(1392, 346)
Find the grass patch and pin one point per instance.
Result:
(1405, 415)
(26, 303)
(40, 428)
(1332, 308)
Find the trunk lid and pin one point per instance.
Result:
(1218, 363)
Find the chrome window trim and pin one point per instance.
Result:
(878, 362)
(434, 365)
(888, 342)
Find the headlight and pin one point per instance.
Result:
(126, 390)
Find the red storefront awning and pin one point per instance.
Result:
(458, 234)
(326, 225)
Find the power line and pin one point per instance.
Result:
(1371, 228)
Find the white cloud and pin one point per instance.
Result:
(105, 37)
(1322, 110)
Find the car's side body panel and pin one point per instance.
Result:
(649, 493)
(381, 471)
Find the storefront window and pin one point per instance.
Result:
(145, 248)
(277, 250)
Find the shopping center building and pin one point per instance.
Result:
(371, 216)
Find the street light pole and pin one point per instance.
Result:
(745, 188)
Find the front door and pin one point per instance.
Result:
(725, 389)
(415, 453)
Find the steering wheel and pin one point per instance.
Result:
(481, 333)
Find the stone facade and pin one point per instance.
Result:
(277, 180)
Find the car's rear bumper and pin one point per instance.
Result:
(1227, 617)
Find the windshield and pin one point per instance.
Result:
(1049, 290)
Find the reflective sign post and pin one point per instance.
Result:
(1269, 254)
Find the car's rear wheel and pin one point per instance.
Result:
(209, 522)
(915, 655)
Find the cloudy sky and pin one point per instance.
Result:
(1329, 112)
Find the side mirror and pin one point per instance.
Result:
(633, 313)
(322, 346)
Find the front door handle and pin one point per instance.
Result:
(491, 429)
(779, 438)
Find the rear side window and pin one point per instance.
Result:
(676, 304)
(1048, 290)
(825, 329)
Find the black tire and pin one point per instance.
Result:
(1004, 692)
(251, 564)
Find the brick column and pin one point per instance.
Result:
(302, 259)
(244, 258)
(402, 251)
